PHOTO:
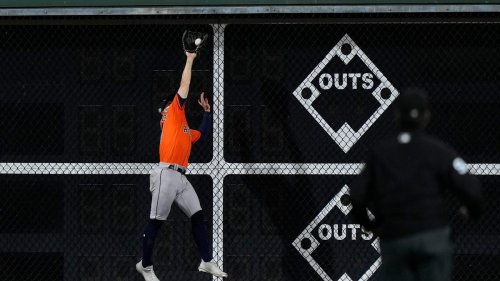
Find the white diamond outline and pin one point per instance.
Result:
(345, 137)
(307, 234)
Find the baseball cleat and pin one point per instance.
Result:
(212, 268)
(147, 272)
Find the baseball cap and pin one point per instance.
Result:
(164, 102)
(412, 107)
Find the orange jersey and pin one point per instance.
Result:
(176, 137)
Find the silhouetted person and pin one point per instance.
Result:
(403, 185)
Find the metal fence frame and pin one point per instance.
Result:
(222, 10)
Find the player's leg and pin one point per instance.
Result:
(200, 236)
(396, 264)
(163, 191)
(436, 256)
(145, 265)
(188, 201)
(150, 233)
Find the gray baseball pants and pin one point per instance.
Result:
(168, 186)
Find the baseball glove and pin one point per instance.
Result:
(189, 39)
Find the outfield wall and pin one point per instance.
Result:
(297, 98)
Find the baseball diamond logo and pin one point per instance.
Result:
(350, 234)
(339, 74)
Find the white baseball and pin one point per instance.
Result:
(197, 41)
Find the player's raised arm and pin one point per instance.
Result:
(186, 75)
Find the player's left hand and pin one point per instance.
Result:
(204, 102)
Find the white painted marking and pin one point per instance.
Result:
(306, 234)
(213, 168)
(345, 137)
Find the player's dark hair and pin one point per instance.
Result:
(165, 102)
(412, 109)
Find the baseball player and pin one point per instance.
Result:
(403, 184)
(168, 182)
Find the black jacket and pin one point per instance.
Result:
(403, 183)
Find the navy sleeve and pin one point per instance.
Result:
(206, 125)
(182, 101)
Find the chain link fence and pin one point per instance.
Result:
(297, 101)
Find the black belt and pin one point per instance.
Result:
(178, 169)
